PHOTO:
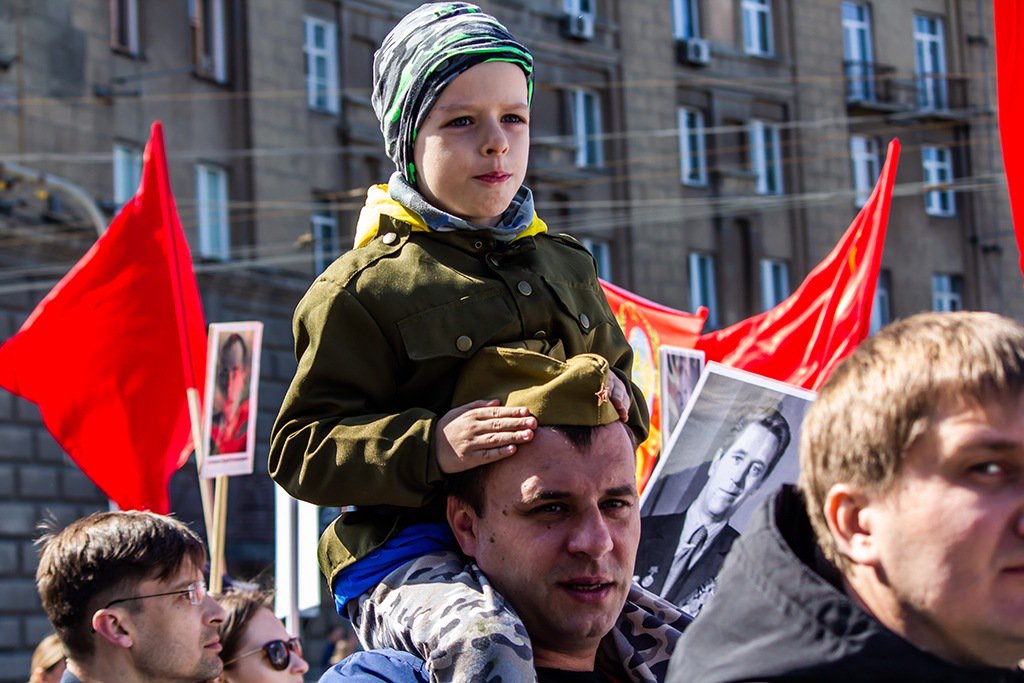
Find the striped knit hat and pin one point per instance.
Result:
(421, 55)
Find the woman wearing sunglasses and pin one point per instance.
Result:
(256, 647)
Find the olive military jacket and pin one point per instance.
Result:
(380, 339)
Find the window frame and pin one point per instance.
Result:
(758, 28)
(703, 290)
(690, 136)
(124, 15)
(881, 305)
(589, 144)
(947, 292)
(209, 61)
(765, 137)
(580, 7)
(866, 162)
(215, 235)
(324, 221)
(126, 168)
(938, 172)
(859, 52)
(601, 250)
(327, 87)
(685, 19)
(774, 282)
(930, 68)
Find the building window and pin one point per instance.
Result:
(757, 28)
(321, 54)
(774, 282)
(127, 171)
(693, 165)
(578, 7)
(602, 253)
(881, 308)
(685, 20)
(766, 157)
(208, 20)
(326, 241)
(937, 163)
(930, 63)
(124, 26)
(586, 127)
(212, 212)
(947, 292)
(857, 52)
(702, 286)
(866, 167)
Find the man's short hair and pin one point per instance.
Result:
(769, 419)
(83, 565)
(469, 485)
(884, 395)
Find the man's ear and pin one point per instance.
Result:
(850, 515)
(462, 520)
(108, 625)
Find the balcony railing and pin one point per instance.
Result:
(877, 85)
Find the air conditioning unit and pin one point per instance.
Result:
(578, 26)
(693, 51)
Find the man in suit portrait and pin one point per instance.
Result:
(680, 554)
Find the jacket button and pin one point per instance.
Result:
(478, 245)
(463, 343)
(524, 288)
(389, 238)
(493, 260)
(585, 321)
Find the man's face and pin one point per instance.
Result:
(172, 639)
(738, 471)
(559, 535)
(949, 535)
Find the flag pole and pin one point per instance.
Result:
(220, 515)
(194, 411)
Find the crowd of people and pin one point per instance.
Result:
(464, 392)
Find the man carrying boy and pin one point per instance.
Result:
(125, 593)
(450, 257)
(553, 529)
(901, 555)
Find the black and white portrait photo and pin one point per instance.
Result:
(736, 443)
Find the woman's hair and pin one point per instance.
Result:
(48, 653)
(241, 605)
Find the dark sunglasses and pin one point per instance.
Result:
(277, 652)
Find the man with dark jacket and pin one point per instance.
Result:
(901, 554)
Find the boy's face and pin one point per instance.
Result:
(472, 149)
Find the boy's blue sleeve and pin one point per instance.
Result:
(374, 666)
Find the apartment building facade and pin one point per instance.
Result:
(708, 152)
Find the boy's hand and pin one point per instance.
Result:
(480, 432)
(619, 396)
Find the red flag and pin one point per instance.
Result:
(801, 340)
(647, 326)
(109, 352)
(1009, 30)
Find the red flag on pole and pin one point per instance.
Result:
(804, 337)
(108, 354)
(1009, 29)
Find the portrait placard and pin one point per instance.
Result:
(679, 370)
(230, 406)
(735, 443)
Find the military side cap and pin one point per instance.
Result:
(571, 392)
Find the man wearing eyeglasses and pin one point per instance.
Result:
(125, 593)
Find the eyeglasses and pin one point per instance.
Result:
(196, 592)
(277, 652)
